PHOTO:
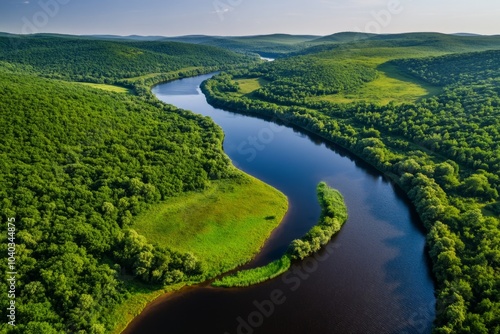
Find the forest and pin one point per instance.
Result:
(102, 61)
(442, 149)
(79, 164)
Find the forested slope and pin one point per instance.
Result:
(104, 61)
(301, 77)
(465, 69)
(417, 42)
(443, 150)
(275, 46)
(78, 164)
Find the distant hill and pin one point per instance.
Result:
(86, 59)
(281, 45)
(130, 37)
(343, 37)
(423, 41)
(466, 34)
(275, 45)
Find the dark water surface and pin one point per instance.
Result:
(373, 277)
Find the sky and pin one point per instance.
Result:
(247, 17)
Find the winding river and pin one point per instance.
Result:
(374, 275)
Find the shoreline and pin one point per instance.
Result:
(163, 294)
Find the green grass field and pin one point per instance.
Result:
(109, 88)
(391, 84)
(247, 86)
(141, 296)
(224, 226)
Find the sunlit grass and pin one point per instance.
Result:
(256, 275)
(248, 86)
(224, 226)
(390, 85)
(141, 295)
(109, 88)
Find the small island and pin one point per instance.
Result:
(333, 217)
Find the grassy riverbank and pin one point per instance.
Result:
(223, 226)
(333, 216)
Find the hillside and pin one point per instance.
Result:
(274, 46)
(466, 68)
(94, 60)
(282, 45)
(416, 42)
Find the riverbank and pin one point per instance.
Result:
(333, 217)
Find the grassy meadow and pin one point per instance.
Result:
(224, 226)
(108, 88)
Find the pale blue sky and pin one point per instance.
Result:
(248, 17)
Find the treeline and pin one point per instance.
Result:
(77, 165)
(457, 68)
(333, 216)
(101, 61)
(444, 152)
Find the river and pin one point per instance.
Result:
(374, 275)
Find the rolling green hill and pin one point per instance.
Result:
(281, 45)
(420, 43)
(93, 60)
(467, 68)
(274, 46)
(342, 37)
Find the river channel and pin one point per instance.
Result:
(373, 277)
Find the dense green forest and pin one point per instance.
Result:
(101, 61)
(301, 77)
(465, 69)
(442, 149)
(78, 164)
(283, 45)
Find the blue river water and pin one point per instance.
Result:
(374, 275)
